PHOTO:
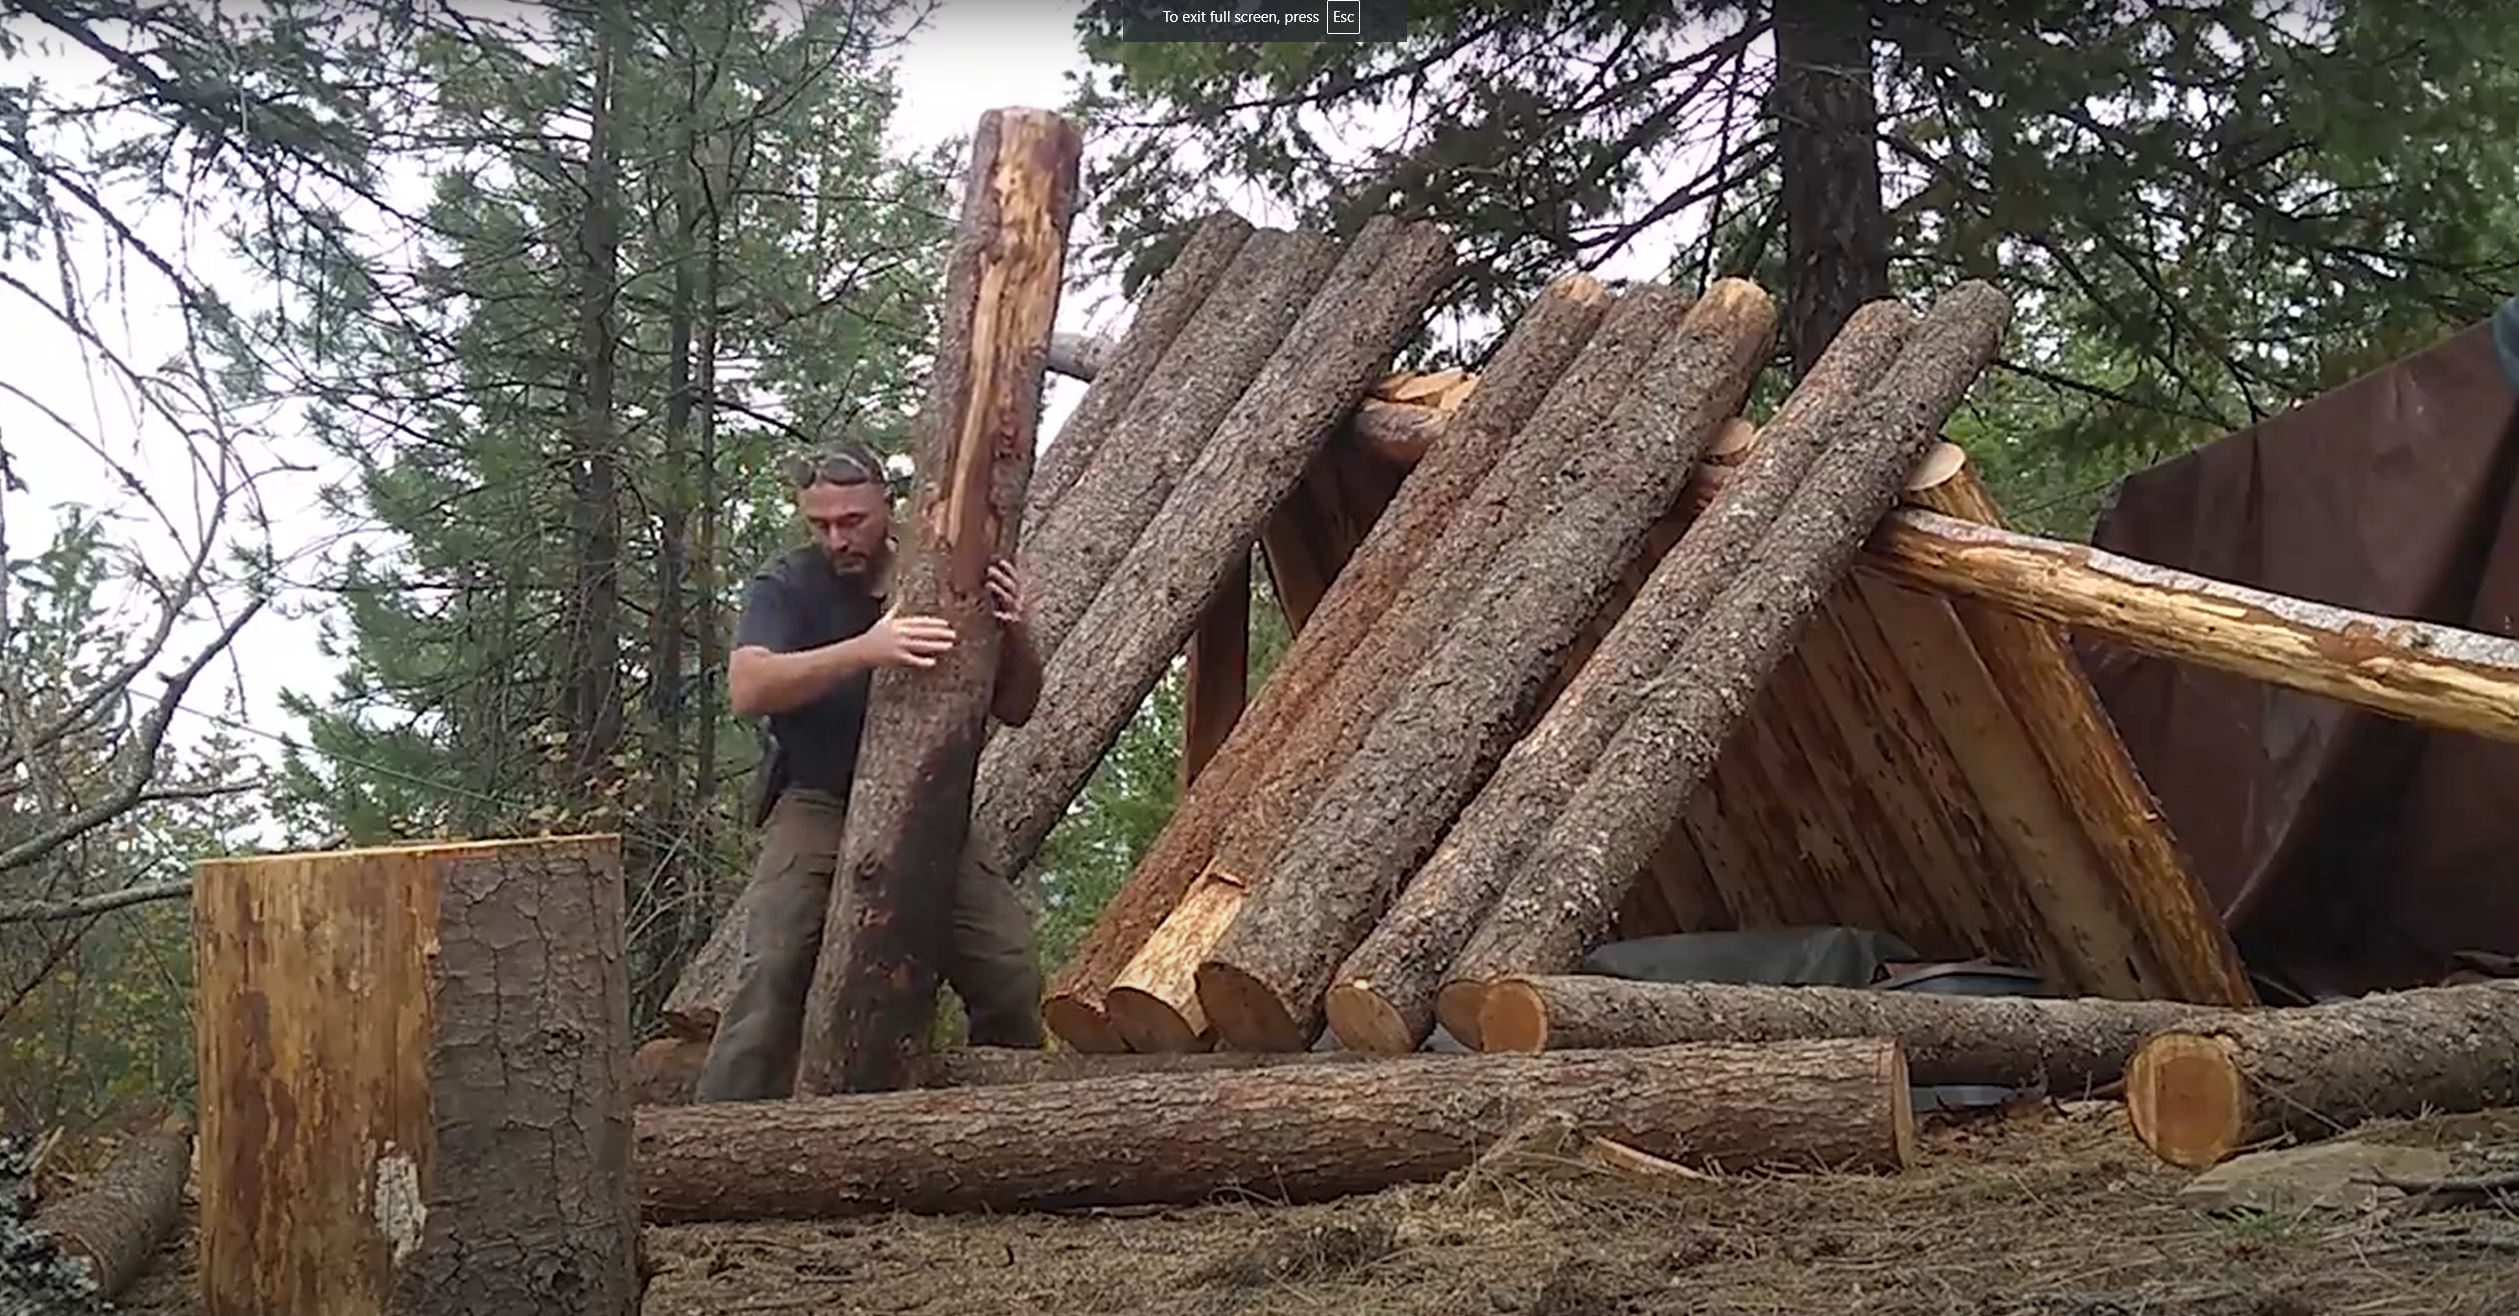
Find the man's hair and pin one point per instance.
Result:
(842, 462)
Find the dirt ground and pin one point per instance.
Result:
(2043, 1212)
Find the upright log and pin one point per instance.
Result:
(891, 909)
(1367, 309)
(1382, 997)
(1216, 676)
(114, 1226)
(1579, 873)
(1543, 343)
(2200, 1092)
(411, 1060)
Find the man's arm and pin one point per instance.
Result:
(1018, 690)
(767, 673)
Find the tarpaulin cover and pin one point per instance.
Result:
(2348, 851)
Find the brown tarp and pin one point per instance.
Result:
(2349, 852)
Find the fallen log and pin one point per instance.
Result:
(2202, 1091)
(1470, 697)
(1140, 620)
(1580, 871)
(2071, 1046)
(665, 1069)
(1300, 1133)
(1382, 997)
(114, 1226)
(890, 918)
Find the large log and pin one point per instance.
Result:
(1396, 422)
(113, 1227)
(665, 1069)
(1364, 592)
(2202, 1091)
(411, 1060)
(1579, 873)
(1300, 1133)
(2071, 1046)
(1463, 542)
(1364, 313)
(890, 915)
(1382, 997)
(1472, 695)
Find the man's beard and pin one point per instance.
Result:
(846, 563)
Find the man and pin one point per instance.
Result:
(815, 627)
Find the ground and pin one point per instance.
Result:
(2049, 1211)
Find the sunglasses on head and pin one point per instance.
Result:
(835, 467)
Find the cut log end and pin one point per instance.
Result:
(1456, 1007)
(2188, 1099)
(1731, 444)
(1513, 1016)
(1940, 466)
(1082, 1025)
(1242, 1007)
(1145, 1023)
(1366, 1022)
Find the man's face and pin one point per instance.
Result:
(851, 523)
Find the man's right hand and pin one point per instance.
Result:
(898, 641)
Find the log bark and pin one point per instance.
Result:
(890, 915)
(1118, 370)
(667, 1068)
(1543, 343)
(1466, 701)
(1364, 313)
(1303, 1133)
(2200, 1092)
(1579, 873)
(1382, 997)
(2070, 1046)
(411, 1059)
(1216, 673)
(114, 1226)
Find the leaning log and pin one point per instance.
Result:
(1139, 621)
(891, 912)
(113, 1227)
(440, 1024)
(1382, 997)
(1373, 583)
(2069, 1046)
(2200, 1092)
(1302, 1133)
(1580, 872)
(1469, 698)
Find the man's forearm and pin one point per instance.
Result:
(1018, 689)
(772, 683)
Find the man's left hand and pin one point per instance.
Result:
(1005, 593)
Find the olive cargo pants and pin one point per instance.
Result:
(990, 960)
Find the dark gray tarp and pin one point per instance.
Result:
(2348, 851)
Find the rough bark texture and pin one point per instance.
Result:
(1382, 997)
(1827, 116)
(1211, 375)
(1305, 1132)
(909, 810)
(1534, 356)
(1468, 698)
(665, 1069)
(1579, 873)
(1216, 673)
(2071, 1046)
(1365, 312)
(1394, 423)
(1122, 369)
(411, 1060)
(114, 1226)
(2202, 1091)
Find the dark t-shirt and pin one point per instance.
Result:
(796, 603)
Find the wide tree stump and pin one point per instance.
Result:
(1297, 1132)
(2200, 1092)
(412, 1082)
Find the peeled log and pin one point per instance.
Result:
(115, 1225)
(1372, 825)
(1382, 997)
(2202, 1091)
(1579, 873)
(441, 1027)
(2070, 1046)
(891, 909)
(1301, 1132)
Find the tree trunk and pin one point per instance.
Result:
(665, 1070)
(409, 1060)
(1363, 594)
(1122, 371)
(2071, 1046)
(891, 911)
(1302, 1132)
(1337, 349)
(1216, 673)
(2203, 1090)
(1382, 997)
(1468, 698)
(115, 1226)
(593, 610)
(1579, 873)
(1828, 122)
